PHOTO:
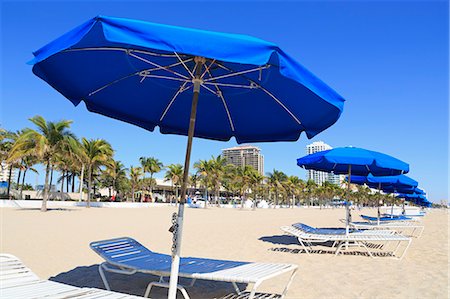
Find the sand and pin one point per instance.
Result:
(55, 245)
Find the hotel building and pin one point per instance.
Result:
(319, 177)
(245, 155)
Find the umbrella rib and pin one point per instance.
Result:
(255, 85)
(230, 85)
(207, 69)
(220, 94)
(146, 75)
(112, 83)
(157, 65)
(234, 74)
(179, 91)
(143, 74)
(280, 103)
(185, 66)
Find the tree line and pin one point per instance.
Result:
(92, 163)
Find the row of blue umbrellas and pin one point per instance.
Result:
(374, 169)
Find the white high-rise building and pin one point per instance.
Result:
(319, 177)
(245, 155)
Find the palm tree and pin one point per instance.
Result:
(310, 189)
(117, 172)
(293, 185)
(151, 165)
(98, 152)
(204, 170)
(135, 178)
(45, 143)
(174, 174)
(27, 164)
(276, 178)
(217, 172)
(9, 138)
(243, 177)
(255, 183)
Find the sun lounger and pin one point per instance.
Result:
(404, 227)
(339, 230)
(127, 256)
(387, 219)
(342, 241)
(17, 281)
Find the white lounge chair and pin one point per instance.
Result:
(19, 282)
(355, 239)
(403, 227)
(127, 256)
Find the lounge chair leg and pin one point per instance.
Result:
(368, 251)
(192, 282)
(236, 288)
(304, 246)
(338, 249)
(396, 247)
(420, 232)
(404, 252)
(253, 291)
(288, 284)
(103, 276)
(164, 285)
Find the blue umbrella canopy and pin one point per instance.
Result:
(361, 161)
(386, 183)
(143, 73)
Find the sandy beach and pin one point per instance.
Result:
(55, 245)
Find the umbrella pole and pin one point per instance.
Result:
(347, 206)
(379, 192)
(178, 227)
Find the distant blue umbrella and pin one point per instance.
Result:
(418, 199)
(151, 75)
(353, 161)
(388, 184)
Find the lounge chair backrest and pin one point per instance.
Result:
(321, 231)
(121, 250)
(305, 228)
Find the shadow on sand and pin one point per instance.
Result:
(136, 284)
(317, 248)
(48, 209)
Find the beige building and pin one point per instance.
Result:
(245, 155)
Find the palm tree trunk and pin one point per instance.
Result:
(62, 181)
(151, 182)
(51, 178)
(73, 182)
(9, 181)
(81, 182)
(45, 195)
(132, 192)
(23, 183)
(89, 186)
(18, 178)
(68, 178)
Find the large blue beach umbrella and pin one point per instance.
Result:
(151, 75)
(353, 161)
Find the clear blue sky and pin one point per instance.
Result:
(388, 59)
